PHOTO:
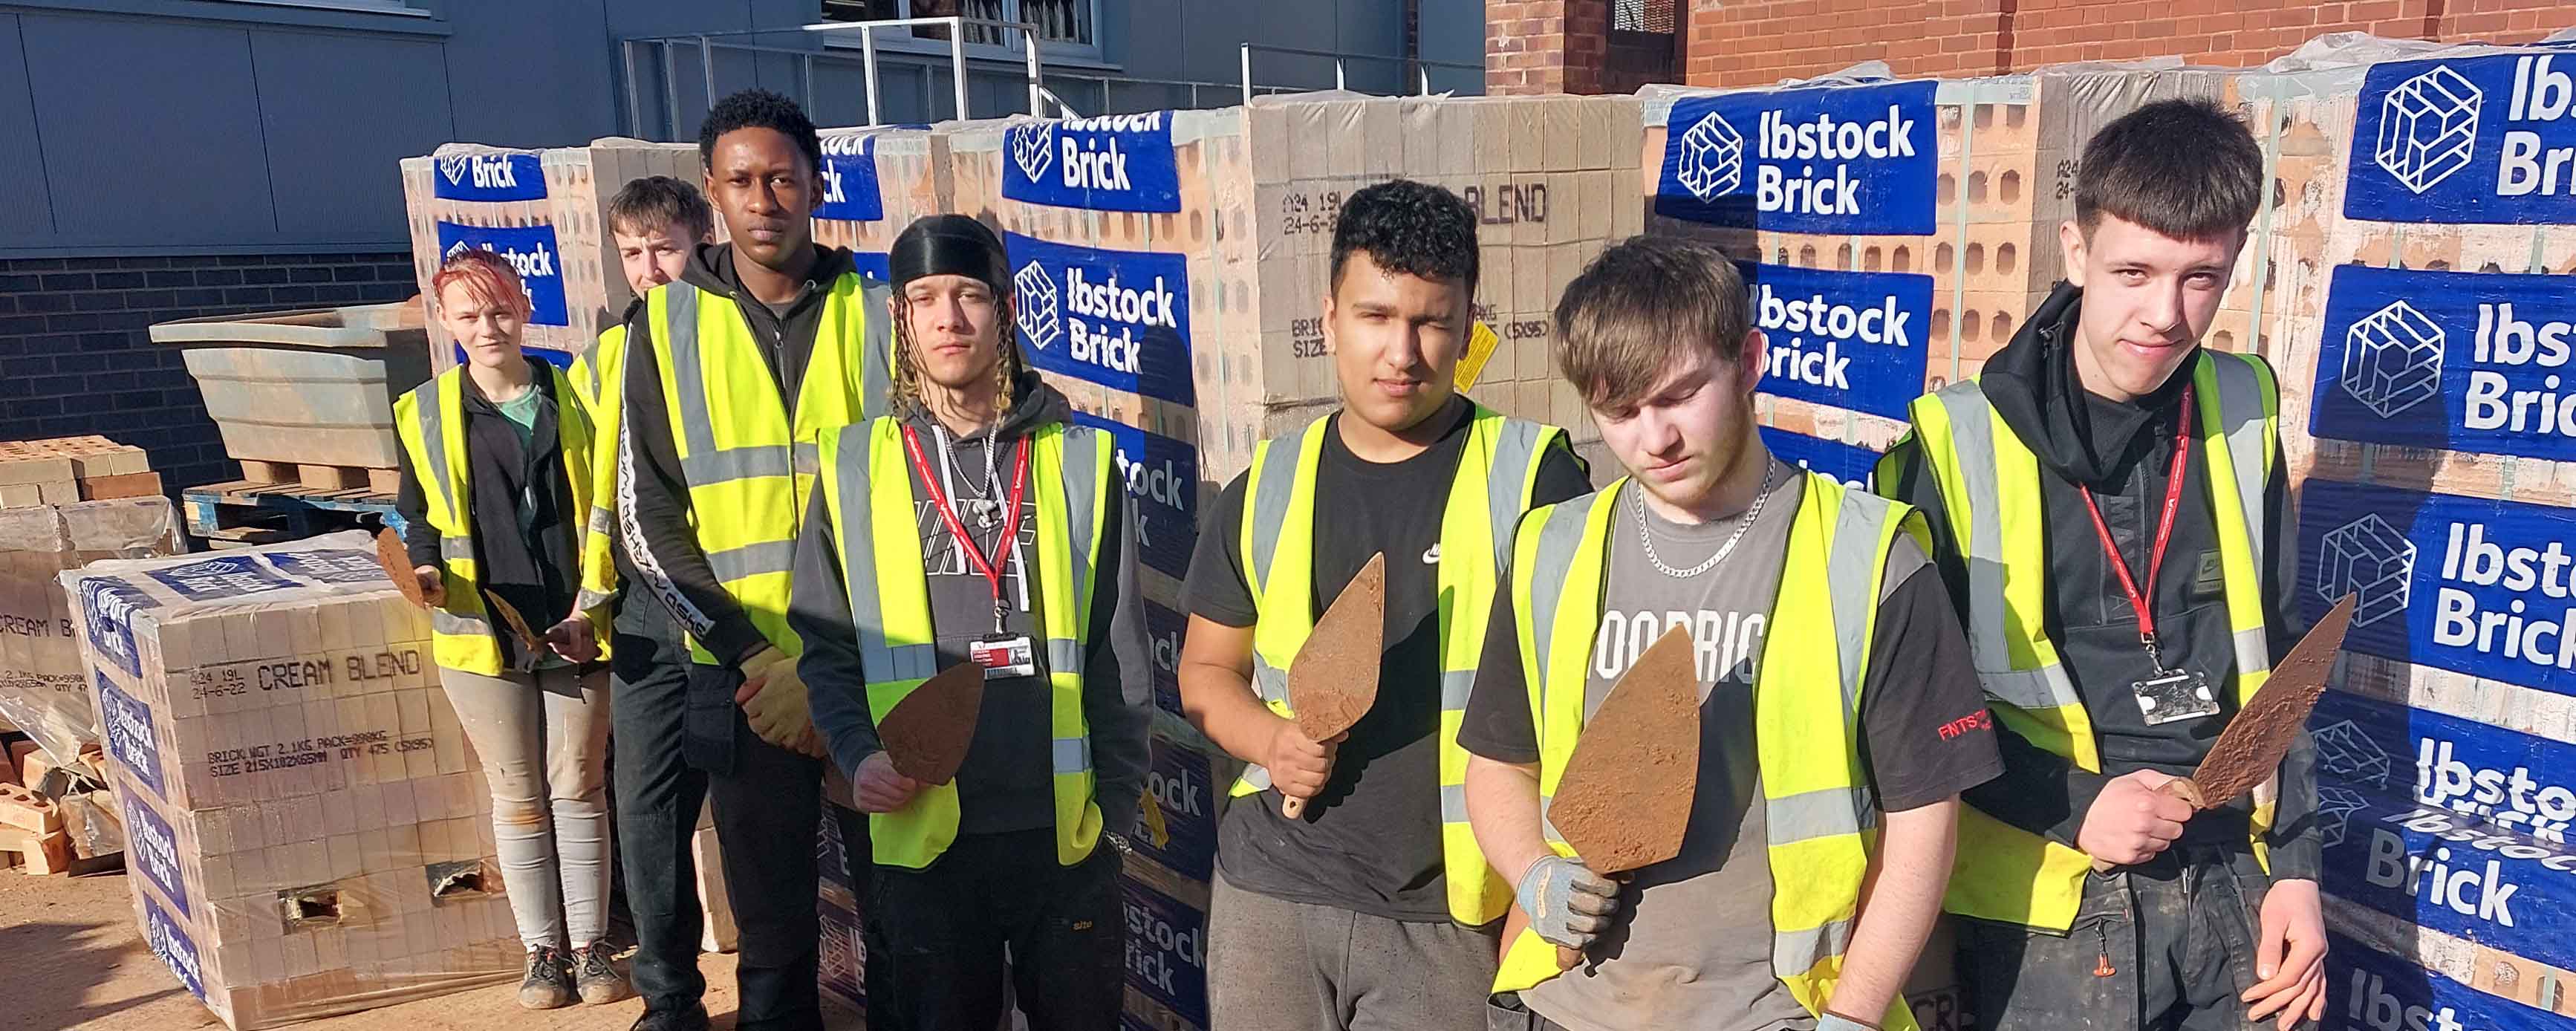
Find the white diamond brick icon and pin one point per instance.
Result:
(2427, 127)
(2370, 558)
(2335, 807)
(2345, 751)
(453, 166)
(2392, 359)
(1035, 298)
(1712, 161)
(1033, 148)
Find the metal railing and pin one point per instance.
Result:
(1419, 67)
(639, 52)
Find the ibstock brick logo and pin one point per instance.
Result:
(1111, 163)
(489, 178)
(2451, 361)
(2335, 807)
(849, 170)
(1117, 318)
(1712, 158)
(2428, 127)
(2392, 359)
(2471, 585)
(2466, 140)
(2370, 558)
(2346, 751)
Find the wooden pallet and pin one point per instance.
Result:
(242, 512)
(325, 477)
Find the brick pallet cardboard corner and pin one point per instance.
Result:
(544, 210)
(309, 831)
(42, 678)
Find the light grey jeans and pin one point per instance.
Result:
(543, 740)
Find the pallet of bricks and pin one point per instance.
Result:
(546, 212)
(55, 815)
(309, 832)
(1170, 269)
(2423, 243)
(1895, 234)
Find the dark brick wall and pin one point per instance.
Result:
(76, 356)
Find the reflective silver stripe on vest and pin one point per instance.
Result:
(2253, 651)
(1453, 803)
(1515, 450)
(1851, 570)
(1455, 686)
(1270, 508)
(876, 349)
(1796, 952)
(433, 445)
(877, 660)
(1064, 656)
(1082, 458)
(809, 457)
(456, 547)
(2240, 408)
(697, 425)
(1972, 442)
(603, 521)
(445, 622)
(1822, 813)
(1558, 539)
(589, 599)
(751, 461)
(1270, 680)
(736, 564)
(1072, 755)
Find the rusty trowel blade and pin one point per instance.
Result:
(1625, 798)
(1334, 680)
(926, 734)
(396, 560)
(2250, 749)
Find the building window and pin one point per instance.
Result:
(1060, 23)
(1642, 15)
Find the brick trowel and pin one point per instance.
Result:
(1333, 681)
(926, 734)
(1624, 800)
(2249, 751)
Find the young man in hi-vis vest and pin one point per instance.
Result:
(733, 373)
(1373, 908)
(2108, 506)
(1839, 716)
(977, 526)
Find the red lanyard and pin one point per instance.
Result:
(966, 542)
(2138, 601)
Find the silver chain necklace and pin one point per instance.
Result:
(1751, 513)
(984, 503)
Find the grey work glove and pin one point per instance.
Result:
(1567, 904)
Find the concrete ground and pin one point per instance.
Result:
(70, 957)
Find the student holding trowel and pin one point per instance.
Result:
(1837, 716)
(1372, 906)
(2109, 507)
(976, 544)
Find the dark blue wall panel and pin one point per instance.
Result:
(151, 130)
(339, 115)
(28, 211)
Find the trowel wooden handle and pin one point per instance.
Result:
(1567, 958)
(2180, 787)
(1292, 807)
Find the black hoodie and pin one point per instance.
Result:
(525, 551)
(2124, 452)
(653, 497)
(1007, 781)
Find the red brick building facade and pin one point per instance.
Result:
(1607, 46)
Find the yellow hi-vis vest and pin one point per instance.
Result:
(875, 518)
(1495, 476)
(430, 419)
(599, 378)
(1822, 820)
(748, 460)
(1991, 488)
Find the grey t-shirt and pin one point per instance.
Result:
(1696, 948)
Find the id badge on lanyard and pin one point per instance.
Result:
(1003, 655)
(2171, 695)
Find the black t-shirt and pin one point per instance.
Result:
(1371, 842)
